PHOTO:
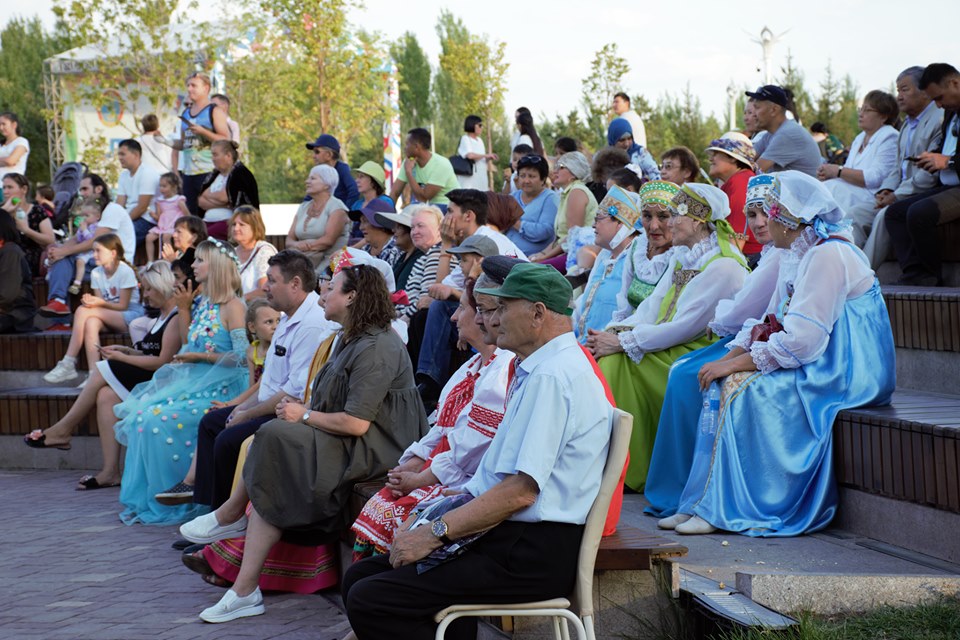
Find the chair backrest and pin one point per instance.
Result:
(616, 458)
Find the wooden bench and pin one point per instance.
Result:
(41, 351)
(924, 317)
(908, 450)
(22, 410)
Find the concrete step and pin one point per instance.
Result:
(831, 572)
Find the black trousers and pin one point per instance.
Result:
(912, 224)
(513, 562)
(217, 451)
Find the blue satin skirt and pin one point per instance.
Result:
(677, 432)
(768, 470)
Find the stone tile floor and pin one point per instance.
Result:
(69, 569)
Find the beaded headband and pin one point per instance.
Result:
(658, 192)
(225, 249)
(687, 204)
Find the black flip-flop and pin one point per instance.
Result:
(41, 443)
(88, 483)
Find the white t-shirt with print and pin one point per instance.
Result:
(109, 287)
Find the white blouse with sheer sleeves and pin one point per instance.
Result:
(828, 275)
(721, 278)
(751, 301)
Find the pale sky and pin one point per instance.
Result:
(706, 44)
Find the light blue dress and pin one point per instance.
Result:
(768, 470)
(677, 432)
(158, 421)
(598, 302)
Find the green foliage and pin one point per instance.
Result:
(792, 79)
(156, 49)
(310, 74)
(416, 107)
(24, 45)
(679, 121)
(936, 621)
(471, 80)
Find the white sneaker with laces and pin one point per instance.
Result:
(63, 372)
(232, 606)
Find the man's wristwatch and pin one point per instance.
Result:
(439, 529)
(306, 416)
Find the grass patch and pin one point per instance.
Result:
(935, 621)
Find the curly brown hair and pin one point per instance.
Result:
(371, 306)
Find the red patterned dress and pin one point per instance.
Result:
(470, 410)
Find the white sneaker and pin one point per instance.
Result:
(63, 372)
(205, 529)
(232, 606)
(695, 526)
(84, 383)
(673, 521)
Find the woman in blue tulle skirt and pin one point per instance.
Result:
(158, 422)
(767, 470)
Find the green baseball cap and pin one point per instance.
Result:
(536, 283)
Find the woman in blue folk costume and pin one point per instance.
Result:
(672, 321)
(676, 433)
(158, 421)
(768, 468)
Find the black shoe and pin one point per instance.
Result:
(193, 548)
(181, 544)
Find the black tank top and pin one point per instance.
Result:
(153, 341)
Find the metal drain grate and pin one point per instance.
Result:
(730, 604)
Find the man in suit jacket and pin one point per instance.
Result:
(920, 132)
(912, 222)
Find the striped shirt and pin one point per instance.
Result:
(423, 274)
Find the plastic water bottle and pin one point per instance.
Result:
(21, 214)
(710, 412)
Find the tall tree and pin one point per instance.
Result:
(792, 79)
(607, 70)
(416, 108)
(24, 45)
(471, 80)
(346, 78)
(829, 100)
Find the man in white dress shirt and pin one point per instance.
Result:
(532, 491)
(623, 109)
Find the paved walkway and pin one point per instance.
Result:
(69, 569)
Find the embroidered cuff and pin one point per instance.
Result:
(719, 329)
(766, 363)
(629, 343)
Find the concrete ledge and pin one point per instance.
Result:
(84, 455)
(927, 370)
(912, 526)
(828, 594)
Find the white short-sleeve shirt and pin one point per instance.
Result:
(116, 218)
(145, 182)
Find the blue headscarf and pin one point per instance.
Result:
(618, 127)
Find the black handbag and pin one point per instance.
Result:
(461, 166)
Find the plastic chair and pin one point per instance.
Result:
(578, 608)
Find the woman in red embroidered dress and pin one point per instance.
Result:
(469, 411)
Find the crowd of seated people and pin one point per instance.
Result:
(469, 348)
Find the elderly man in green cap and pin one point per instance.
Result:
(531, 494)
